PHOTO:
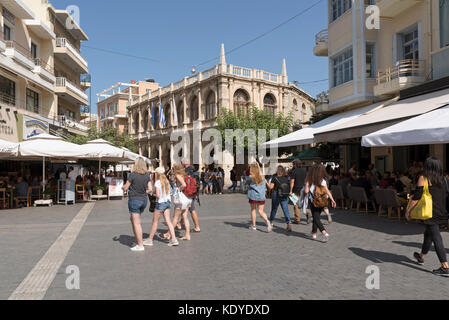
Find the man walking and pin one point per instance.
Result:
(190, 171)
(297, 180)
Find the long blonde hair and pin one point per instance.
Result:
(165, 185)
(255, 174)
(140, 166)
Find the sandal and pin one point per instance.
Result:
(185, 239)
(163, 236)
(195, 231)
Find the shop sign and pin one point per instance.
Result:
(33, 127)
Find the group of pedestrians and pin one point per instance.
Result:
(179, 183)
(309, 187)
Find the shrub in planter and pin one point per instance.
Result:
(99, 190)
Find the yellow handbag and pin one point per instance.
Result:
(423, 210)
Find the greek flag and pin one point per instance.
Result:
(152, 117)
(175, 113)
(162, 122)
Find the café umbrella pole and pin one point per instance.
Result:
(43, 174)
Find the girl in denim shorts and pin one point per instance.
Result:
(163, 205)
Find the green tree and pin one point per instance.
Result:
(255, 119)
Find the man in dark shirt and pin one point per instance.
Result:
(362, 182)
(297, 178)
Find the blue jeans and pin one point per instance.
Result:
(234, 185)
(276, 201)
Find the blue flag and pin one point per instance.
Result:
(152, 117)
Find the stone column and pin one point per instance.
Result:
(200, 105)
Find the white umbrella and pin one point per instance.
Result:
(102, 150)
(133, 157)
(48, 146)
(429, 128)
(8, 149)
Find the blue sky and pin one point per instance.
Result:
(182, 34)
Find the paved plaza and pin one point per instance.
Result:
(225, 261)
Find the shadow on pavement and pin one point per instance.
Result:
(414, 245)
(262, 227)
(386, 257)
(375, 223)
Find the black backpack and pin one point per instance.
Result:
(283, 189)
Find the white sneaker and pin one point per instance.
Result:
(148, 243)
(269, 226)
(253, 228)
(325, 238)
(137, 249)
(173, 243)
(313, 236)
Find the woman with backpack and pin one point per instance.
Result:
(318, 192)
(257, 189)
(163, 205)
(281, 190)
(432, 180)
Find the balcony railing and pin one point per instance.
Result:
(64, 43)
(39, 63)
(403, 68)
(65, 83)
(322, 98)
(7, 99)
(322, 36)
(11, 44)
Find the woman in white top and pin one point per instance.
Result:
(318, 198)
(163, 205)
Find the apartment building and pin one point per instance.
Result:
(113, 103)
(385, 75)
(40, 71)
(199, 99)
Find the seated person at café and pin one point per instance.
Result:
(362, 182)
(386, 181)
(21, 188)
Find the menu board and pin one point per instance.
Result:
(115, 187)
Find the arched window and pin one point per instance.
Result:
(295, 110)
(269, 104)
(194, 109)
(210, 106)
(136, 122)
(180, 112)
(304, 112)
(167, 115)
(241, 102)
(145, 121)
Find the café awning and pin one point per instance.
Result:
(8, 149)
(306, 136)
(386, 115)
(429, 128)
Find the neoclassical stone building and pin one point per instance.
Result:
(199, 99)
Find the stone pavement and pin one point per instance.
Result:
(225, 261)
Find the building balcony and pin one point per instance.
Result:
(19, 54)
(18, 9)
(321, 48)
(70, 92)
(85, 81)
(75, 30)
(322, 104)
(392, 8)
(44, 70)
(405, 74)
(40, 28)
(2, 43)
(67, 53)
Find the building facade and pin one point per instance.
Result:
(407, 53)
(199, 99)
(40, 71)
(113, 103)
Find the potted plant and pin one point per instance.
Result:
(99, 190)
(48, 193)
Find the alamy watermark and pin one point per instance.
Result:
(373, 280)
(74, 12)
(73, 280)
